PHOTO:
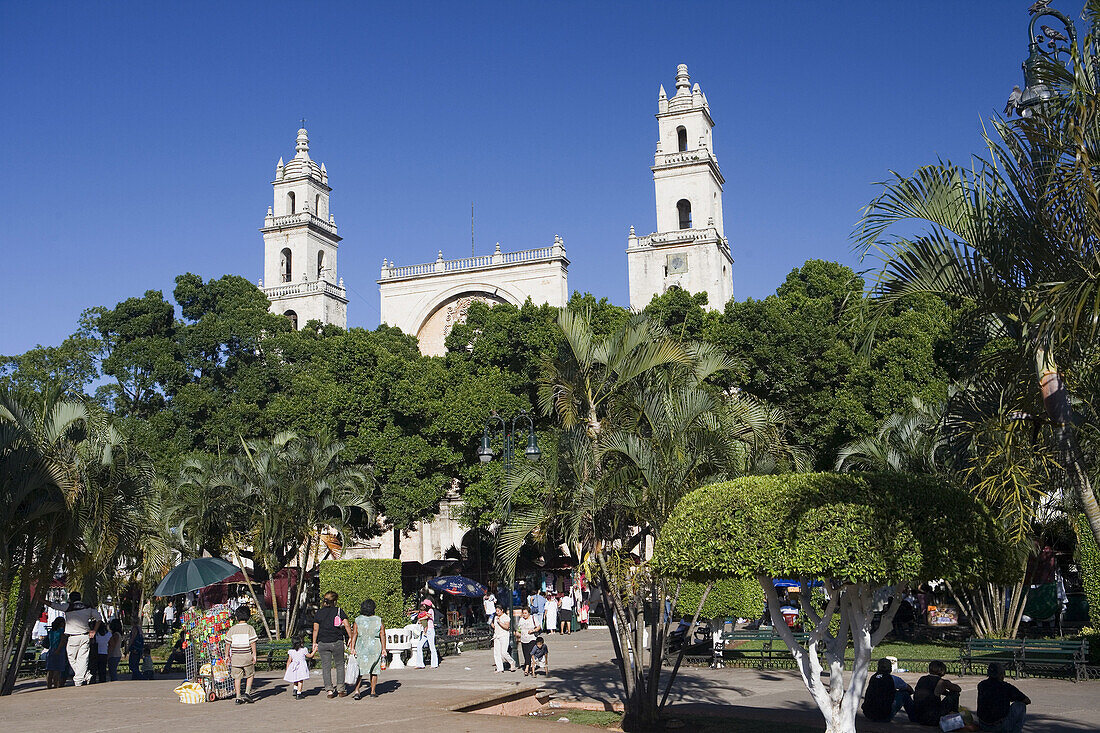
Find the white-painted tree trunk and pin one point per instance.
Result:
(837, 699)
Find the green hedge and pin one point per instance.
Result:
(736, 597)
(1088, 558)
(879, 528)
(357, 580)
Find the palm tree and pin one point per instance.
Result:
(641, 427)
(908, 442)
(1015, 238)
(51, 450)
(294, 488)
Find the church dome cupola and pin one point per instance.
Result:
(301, 165)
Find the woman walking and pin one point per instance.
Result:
(56, 661)
(526, 629)
(368, 640)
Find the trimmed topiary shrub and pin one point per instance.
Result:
(735, 597)
(1088, 559)
(357, 580)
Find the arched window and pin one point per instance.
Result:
(682, 139)
(320, 264)
(293, 318)
(290, 202)
(285, 265)
(683, 207)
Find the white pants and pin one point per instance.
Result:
(433, 654)
(77, 649)
(500, 653)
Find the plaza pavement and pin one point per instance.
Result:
(424, 700)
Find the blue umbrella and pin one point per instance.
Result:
(456, 585)
(195, 574)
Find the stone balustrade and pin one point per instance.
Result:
(687, 156)
(304, 217)
(678, 236)
(306, 288)
(497, 259)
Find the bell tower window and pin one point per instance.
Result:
(293, 318)
(320, 264)
(285, 265)
(681, 138)
(290, 202)
(317, 205)
(683, 208)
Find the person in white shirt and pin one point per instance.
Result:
(169, 615)
(490, 606)
(501, 637)
(526, 629)
(565, 613)
(81, 624)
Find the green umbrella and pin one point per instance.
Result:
(195, 574)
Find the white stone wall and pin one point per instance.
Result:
(426, 300)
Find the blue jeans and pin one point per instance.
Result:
(1012, 723)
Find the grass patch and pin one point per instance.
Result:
(693, 723)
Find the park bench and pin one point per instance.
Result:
(272, 652)
(1027, 656)
(761, 645)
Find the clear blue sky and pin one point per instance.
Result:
(140, 138)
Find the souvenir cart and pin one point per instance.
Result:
(204, 649)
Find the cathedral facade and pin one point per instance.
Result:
(687, 250)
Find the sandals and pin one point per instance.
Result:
(357, 696)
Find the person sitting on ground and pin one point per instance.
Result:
(240, 648)
(540, 657)
(1001, 706)
(934, 697)
(176, 656)
(886, 694)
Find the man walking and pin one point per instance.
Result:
(538, 605)
(169, 616)
(330, 624)
(490, 607)
(81, 625)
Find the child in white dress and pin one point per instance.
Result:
(297, 670)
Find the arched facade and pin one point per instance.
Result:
(428, 300)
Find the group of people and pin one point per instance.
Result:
(333, 632)
(1001, 706)
(536, 653)
(81, 643)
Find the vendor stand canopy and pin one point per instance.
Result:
(456, 585)
(194, 574)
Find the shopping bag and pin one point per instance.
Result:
(351, 670)
(191, 693)
(952, 721)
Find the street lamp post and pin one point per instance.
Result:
(510, 431)
(1044, 47)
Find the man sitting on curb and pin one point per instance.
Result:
(1001, 706)
(886, 694)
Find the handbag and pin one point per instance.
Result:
(952, 721)
(351, 670)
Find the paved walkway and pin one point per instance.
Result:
(426, 698)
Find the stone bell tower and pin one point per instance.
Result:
(300, 244)
(689, 250)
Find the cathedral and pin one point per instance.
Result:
(688, 250)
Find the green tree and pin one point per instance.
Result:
(861, 536)
(1015, 238)
(640, 427)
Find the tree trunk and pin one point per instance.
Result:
(1060, 411)
(251, 590)
(274, 606)
(292, 621)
